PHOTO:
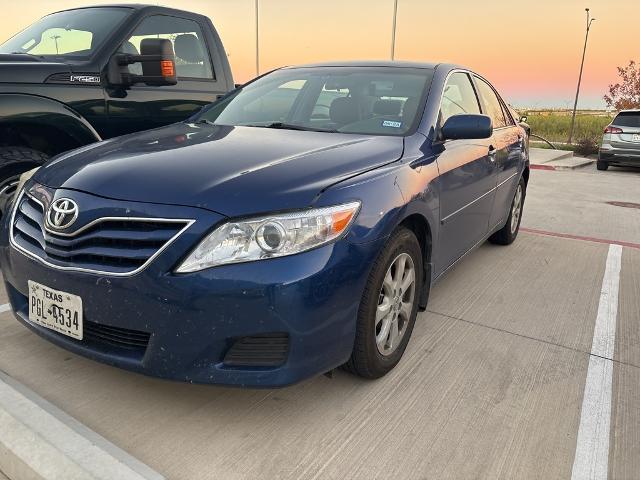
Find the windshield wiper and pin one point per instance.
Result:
(204, 121)
(289, 126)
(41, 57)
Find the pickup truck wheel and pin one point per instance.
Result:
(507, 234)
(14, 161)
(388, 308)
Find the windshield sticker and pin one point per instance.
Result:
(391, 123)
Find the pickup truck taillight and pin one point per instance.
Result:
(611, 129)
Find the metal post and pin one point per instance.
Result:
(584, 51)
(257, 40)
(393, 31)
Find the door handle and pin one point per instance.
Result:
(492, 153)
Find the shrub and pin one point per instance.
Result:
(586, 146)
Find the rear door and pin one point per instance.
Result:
(467, 177)
(507, 146)
(143, 107)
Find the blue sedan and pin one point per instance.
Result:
(293, 226)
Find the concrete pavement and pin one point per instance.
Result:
(491, 385)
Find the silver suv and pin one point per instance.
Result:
(621, 141)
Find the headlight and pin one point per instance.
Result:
(24, 178)
(270, 236)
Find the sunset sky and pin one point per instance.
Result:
(529, 49)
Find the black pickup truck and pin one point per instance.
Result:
(79, 76)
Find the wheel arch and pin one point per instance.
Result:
(42, 124)
(525, 175)
(419, 225)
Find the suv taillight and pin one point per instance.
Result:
(611, 129)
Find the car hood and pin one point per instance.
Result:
(230, 170)
(26, 69)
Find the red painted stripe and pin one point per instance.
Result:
(580, 237)
(542, 167)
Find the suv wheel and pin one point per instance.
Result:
(600, 165)
(14, 161)
(388, 308)
(507, 234)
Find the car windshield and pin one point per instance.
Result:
(363, 100)
(627, 119)
(70, 34)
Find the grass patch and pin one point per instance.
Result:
(555, 126)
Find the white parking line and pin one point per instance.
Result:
(5, 308)
(592, 449)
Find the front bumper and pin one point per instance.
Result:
(192, 320)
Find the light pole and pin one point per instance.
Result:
(257, 41)
(55, 39)
(393, 29)
(584, 51)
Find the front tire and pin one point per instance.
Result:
(389, 307)
(602, 166)
(507, 234)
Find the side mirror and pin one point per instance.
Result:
(523, 119)
(158, 65)
(467, 126)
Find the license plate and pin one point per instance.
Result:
(55, 310)
(635, 137)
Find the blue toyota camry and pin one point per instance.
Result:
(293, 226)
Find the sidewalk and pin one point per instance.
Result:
(547, 159)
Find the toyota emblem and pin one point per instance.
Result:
(62, 213)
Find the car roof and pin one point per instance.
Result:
(369, 63)
(631, 110)
(131, 6)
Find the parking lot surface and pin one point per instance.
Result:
(491, 385)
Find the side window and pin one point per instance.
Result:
(491, 103)
(458, 97)
(507, 115)
(192, 59)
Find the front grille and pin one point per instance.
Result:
(116, 336)
(268, 350)
(107, 245)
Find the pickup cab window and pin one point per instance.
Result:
(192, 58)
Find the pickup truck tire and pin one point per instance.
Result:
(14, 161)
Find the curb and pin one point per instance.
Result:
(542, 167)
(568, 164)
(40, 441)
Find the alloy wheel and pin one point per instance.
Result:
(516, 210)
(395, 304)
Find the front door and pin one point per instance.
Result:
(143, 107)
(467, 178)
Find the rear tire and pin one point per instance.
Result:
(507, 234)
(391, 296)
(602, 166)
(14, 161)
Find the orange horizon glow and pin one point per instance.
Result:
(530, 50)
